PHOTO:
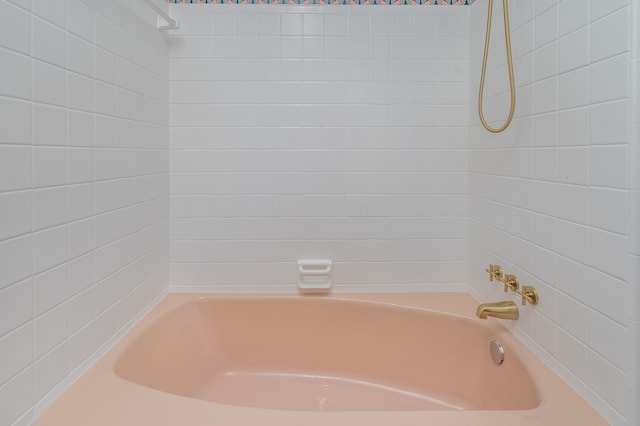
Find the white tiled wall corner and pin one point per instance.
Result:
(63, 200)
(329, 140)
(578, 189)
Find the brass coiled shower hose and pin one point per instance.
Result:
(512, 86)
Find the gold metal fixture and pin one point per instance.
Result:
(495, 272)
(512, 85)
(503, 310)
(529, 294)
(511, 282)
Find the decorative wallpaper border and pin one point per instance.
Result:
(332, 2)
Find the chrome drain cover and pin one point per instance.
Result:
(497, 351)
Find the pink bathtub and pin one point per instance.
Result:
(383, 359)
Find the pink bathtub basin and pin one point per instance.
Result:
(396, 359)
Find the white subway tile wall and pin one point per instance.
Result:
(321, 132)
(84, 185)
(548, 199)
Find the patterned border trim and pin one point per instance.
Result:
(332, 2)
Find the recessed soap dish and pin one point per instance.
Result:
(314, 276)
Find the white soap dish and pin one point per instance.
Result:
(314, 275)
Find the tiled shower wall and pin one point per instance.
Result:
(548, 198)
(83, 187)
(319, 132)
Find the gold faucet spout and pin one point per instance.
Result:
(503, 310)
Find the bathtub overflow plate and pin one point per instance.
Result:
(497, 351)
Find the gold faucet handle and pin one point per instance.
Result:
(495, 272)
(510, 283)
(529, 294)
